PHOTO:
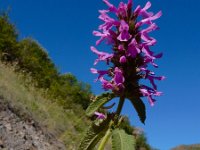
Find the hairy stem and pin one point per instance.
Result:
(108, 133)
(105, 140)
(120, 105)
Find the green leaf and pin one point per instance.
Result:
(139, 107)
(100, 101)
(122, 140)
(94, 135)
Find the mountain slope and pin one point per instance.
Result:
(18, 134)
(29, 103)
(187, 147)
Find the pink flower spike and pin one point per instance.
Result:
(128, 34)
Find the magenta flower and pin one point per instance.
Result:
(122, 10)
(128, 34)
(100, 72)
(123, 29)
(143, 11)
(103, 36)
(121, 47)
(107, 35)
(133, 49)
(106, 84)
(116, 83)
(149, 20)
(122, 59)
(112, 8)
(149, 93)
(152, 78)
(118, 79)
(102, 56)
(108, 21)
(100, 115)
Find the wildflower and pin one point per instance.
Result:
(131, 55)
(100, 72)
(123, 29)
(100, 115)
(102, 56)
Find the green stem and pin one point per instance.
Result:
(105, 140)
(108, 133)
(120, 105)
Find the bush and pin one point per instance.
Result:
(8, 39)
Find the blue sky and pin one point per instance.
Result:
(64, 28)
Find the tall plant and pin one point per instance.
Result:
(127, 31)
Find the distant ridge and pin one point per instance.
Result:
(187, 147)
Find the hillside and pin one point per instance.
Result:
(187, 147)
(17, 133)
(31, 84)
(28, 103)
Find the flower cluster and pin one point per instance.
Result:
(128, 33)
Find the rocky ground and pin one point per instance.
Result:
(23, 134)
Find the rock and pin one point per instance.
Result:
(8, 126)
(19, 134)
(1, 144)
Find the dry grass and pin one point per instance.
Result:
(65, 125)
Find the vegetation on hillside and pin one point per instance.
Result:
(30, 81)
(30, 102)
(30, 58)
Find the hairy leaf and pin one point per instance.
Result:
(139, 107)
(94, 135)
(122, 140)
(100, 101)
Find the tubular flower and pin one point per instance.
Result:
(100, 115)
(128, 33)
